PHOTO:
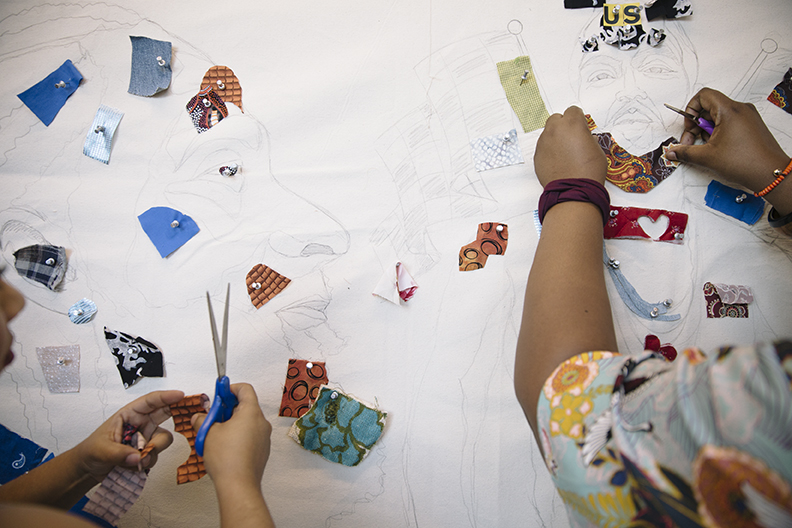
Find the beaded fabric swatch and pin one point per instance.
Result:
(303, 380)
(264, 283)
(339, 428)
(182, 412)
(61, 367)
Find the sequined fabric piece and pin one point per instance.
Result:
(61, 367)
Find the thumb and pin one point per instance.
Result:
(196, 420)
(697, 154)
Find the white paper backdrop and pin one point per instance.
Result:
(354, 154)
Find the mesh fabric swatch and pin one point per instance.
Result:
(61, 367)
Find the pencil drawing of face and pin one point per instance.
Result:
(624, 90)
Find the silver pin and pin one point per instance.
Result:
(160, 61)
(50, 261)
(614, 213)
(507, 139)
(78, 312)
(679, 236)
(613, 263)
(60, 85)
(220, 85)
(175, 224)
(741, 198)
(229, 170)
(654, 313)
(499, 228)
(99, 129)
(60, 361)
(309, 365)
(206, 103)
(524, 77)
(333, 395)
(667, 302)
(616, 9)
(256, 285)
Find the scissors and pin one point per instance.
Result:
(224, 400)
(706, 126)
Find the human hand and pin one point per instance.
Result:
(103, 450)
(566, 149)
(741, 148)
(237, 450)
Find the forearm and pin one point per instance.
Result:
(566, 308)
(242, 506)
(59, 483)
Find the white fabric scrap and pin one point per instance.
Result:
(734, 293)
(499, 150)
(396, 283)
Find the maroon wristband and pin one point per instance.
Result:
(575, 190)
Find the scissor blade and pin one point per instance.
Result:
(680, 112)
(221, 362)
(219, 350)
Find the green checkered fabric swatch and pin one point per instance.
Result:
(522, 92)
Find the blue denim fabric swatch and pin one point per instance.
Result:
(167, 228)
(100, 136)
(46, 98)
(724, 199)
(151, 66)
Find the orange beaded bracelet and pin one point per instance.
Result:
(780, 175)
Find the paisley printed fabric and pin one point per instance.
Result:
(781, 93)
(718, 306)
(303, 379)
(637, 174)
(206, 109)
(702, 441)
(339, 427)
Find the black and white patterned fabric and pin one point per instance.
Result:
(42, 263)
(135, 357)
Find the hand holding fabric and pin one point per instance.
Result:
(103, 450)
(741, 148)
(566, 149)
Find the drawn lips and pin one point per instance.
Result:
(305, 314)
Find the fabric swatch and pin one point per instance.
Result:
(61, 367)
(339, 428)
(743, 206)
(522, 92)
(623, 223)
(781, 93)
(182, 413)
(657, 311)
(492, 238)
(44, 264)
(668, 8)
(652, 342)
(82, 311)
(151, 66)
(225, 84)
(717, 309)
(303, 380)
(135, 357)
(637, 174)
(47, 97)
(396, 283)
(264, 283)
(623, 37)
(733, 293)
(206, 109)
(99, 140)
(167, 228)
(498, 150)
(18, 455)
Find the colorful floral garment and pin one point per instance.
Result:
(702, 441)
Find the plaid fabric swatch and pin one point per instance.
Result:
(42, 263)
(100, 136)
(522, 91)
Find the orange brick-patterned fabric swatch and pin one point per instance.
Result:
(264, 283)
(224, 83)
(182, 413)
(303, 379)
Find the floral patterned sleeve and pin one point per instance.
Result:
(701, 441)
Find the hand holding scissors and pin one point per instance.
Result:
(224, 400)
(705, 125)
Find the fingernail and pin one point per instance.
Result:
(670, 154)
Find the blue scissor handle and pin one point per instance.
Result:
(221, 410)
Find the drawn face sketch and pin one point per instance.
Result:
(624, 90)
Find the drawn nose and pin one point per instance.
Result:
(317, 235)
(630, 87)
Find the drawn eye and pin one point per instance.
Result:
(658, 68)
(601, 76)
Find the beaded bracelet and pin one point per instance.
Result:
(780, 175)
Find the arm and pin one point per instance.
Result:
(235, 455)
(741, 148)
(62, 481)
(566, 308)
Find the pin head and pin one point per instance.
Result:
(99, 129)
(741, 198)
(175, 224)
(50, 261)
(160, 61)
(60, 84)
(220, 85)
